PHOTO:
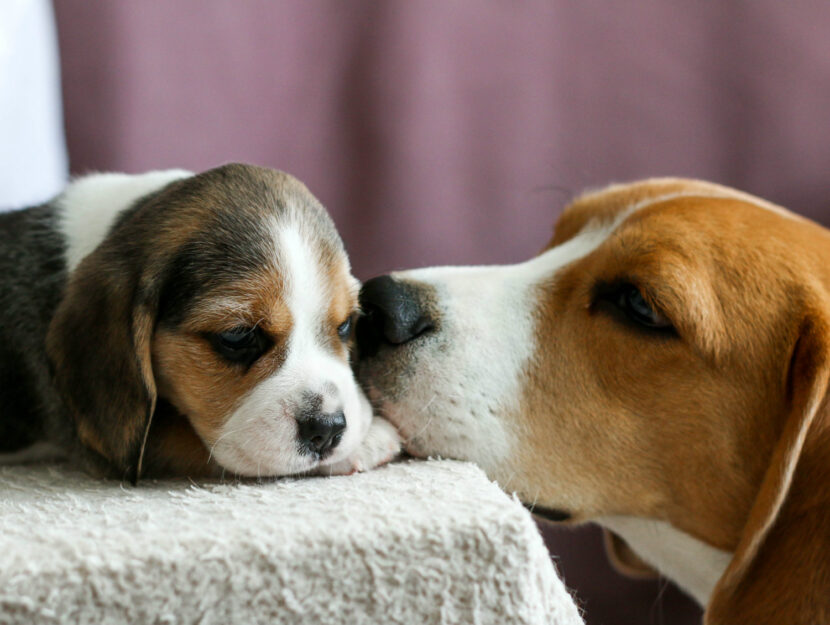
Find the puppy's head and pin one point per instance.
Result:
(223, 300)
(656, 360)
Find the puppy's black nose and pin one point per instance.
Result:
(393, 312)
(322, 432)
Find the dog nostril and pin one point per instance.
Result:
(394, 314)
(322, 432)
(423, 324)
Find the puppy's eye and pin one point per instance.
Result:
(344, 330)
(634, 305)
(241, 345)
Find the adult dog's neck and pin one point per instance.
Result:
(692, 564)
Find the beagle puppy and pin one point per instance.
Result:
(660, 368)
(177, 324)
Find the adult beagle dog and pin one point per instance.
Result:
(661, 369)
(177, 324)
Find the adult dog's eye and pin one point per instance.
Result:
(240, 345)
(344, 330)
(634, 305)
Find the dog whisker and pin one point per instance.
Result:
(422, 429)
(507, 483)
(535, 501)
(216, 442)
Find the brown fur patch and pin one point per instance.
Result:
(605, 204)
(174, 448)
(606, 382)
(780, 572)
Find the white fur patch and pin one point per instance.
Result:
(692, 564)
(90, 205)
(308, 300)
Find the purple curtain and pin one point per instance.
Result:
(454, 132)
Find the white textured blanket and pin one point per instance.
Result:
(411, 543)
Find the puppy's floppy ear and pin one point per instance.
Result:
(99, 345)
(780, 572)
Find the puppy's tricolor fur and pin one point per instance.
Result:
(171, 323)
(661, 368)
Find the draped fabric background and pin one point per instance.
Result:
(454, 132)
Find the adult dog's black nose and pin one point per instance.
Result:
(322, 432)
(394, 312)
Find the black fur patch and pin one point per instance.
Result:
(32, 275)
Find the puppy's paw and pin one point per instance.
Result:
(381, 445)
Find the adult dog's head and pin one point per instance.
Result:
(206, 321)
(661, 368)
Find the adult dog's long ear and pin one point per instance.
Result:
(99, 345)
(780, 572)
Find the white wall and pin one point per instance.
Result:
(33, 161)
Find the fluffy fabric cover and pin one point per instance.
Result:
(414, 542)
